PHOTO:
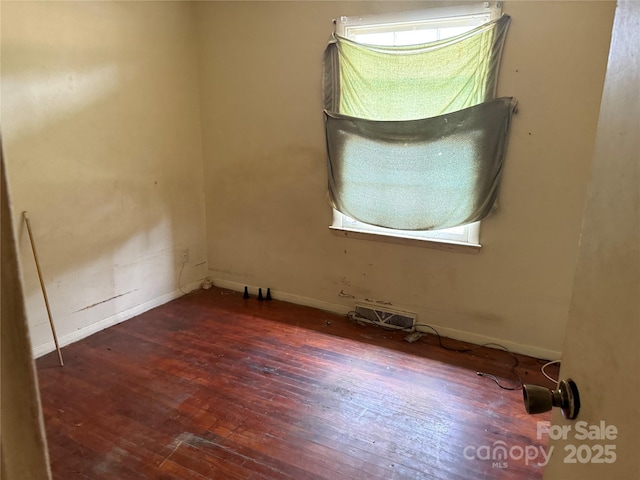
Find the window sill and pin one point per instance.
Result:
(438, 244)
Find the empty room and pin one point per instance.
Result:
(320, 240)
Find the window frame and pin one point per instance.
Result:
(493, 9)
(469, 237)
(345, 26)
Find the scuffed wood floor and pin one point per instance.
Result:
(211, 386)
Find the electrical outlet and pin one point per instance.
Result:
(185, 255)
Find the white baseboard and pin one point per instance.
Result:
(477, 339)
(287, 297)
(461, 335)
(120, 317)
(464, 336)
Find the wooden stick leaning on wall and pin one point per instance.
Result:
(44, 290)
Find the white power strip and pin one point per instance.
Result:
(413, 336)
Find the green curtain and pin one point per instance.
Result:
(415, 81)
(415, 138)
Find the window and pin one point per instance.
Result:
(413, 28)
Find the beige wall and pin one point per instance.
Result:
(265, 173)
(107, 114)
(101, 128)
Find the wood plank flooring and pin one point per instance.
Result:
(212, 386)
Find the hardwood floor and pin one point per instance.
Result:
(211, 386)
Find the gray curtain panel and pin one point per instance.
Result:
(423, 174)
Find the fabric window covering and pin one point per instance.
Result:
(415, 81)
(423, 174)
(415, 137)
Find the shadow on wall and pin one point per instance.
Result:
(87, 126)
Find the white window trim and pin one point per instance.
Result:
(494, 9)
(471, 236)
